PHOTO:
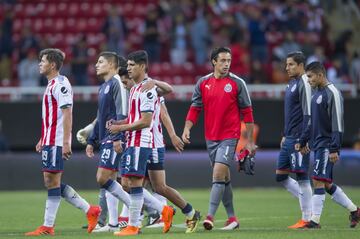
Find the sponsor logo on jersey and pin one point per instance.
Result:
(319, 100)
(107, 88)
(228, 88)
(64, 90)
(149, 95)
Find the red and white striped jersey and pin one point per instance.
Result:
(141, 102)
(157, 128)
(58, 94)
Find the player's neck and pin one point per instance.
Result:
(218, 75)
(141, 78)
(52, 75)
(108, 76)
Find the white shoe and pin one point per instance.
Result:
(98, 226)
(107, 228)
(231, 226)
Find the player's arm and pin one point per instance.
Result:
(337, 124)
(67, 126)
(246, 111)
(162, 88)
(166, 120)
(305, 98)
(143, 122)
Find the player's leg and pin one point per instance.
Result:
(52, 166)
(322, 173)
(227, 200)
(72, 197)
(283, 169)
(300, 165)
(339, 196)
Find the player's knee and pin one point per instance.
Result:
(302, 176)
(100, 180)
(160, 189)
(281, 177)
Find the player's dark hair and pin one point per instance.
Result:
(111, 56)
(316, 67)
(122, 66)
(53, 55)
(297, 56)
(139, 57)
(216, 51)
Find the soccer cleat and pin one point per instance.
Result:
(354, 218)
(300, 224)
(42, 231)
(107, 228)
(208, 223)
(123, 222)
(152, 219)
(312, 225)
(92, 216)
(193, 222)
(167, 215)
(231, 224)
(158, 223)
(128, 231)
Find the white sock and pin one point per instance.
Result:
(292, 186)
(305, 197)
(161, 198)
(124, 211)
(317, 206)
(117, 190)
(136, 203)
(72, 197)
(51, 207)
(151, 202)
(112, 205)
(342, 199)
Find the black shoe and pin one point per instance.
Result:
(152, 219)
(354, 218)
(312, 225)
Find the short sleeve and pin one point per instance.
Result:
(147, 100)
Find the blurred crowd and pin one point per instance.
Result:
(259, 33)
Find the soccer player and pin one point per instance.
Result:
(112, 104)
(327, 128)
(55, 143)
(297, 118)
(225, 99)
(155, 166)
(139, 144)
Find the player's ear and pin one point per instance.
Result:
(213, 61)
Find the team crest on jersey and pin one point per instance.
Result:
(107, 88)
(293, 88)
(319, 100)
(228, 88)
(64, 90)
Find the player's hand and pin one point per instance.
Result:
(334, 157)
(38, 147)
(109, 123)
(113, 129)
(177, 143)
(89, 151)
(117, 146)
(282, 142)
(148, 85)
(251, 147)
(82, 136)
(66, 151)
(305, 150)
(186, 136)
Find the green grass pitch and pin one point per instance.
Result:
(263, 213)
